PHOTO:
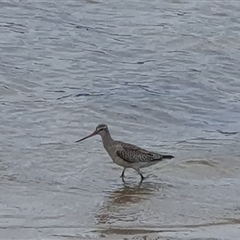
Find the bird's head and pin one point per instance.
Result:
(101, 129)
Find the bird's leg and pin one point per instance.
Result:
(142, 177)
(122, 175)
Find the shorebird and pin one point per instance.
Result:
(124, 154)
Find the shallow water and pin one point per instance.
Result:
(163, 75)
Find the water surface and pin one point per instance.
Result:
(163, 75)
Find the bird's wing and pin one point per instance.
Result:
(133, 154)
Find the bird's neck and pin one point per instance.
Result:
(107, 139)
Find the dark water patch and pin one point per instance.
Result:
(227, 133)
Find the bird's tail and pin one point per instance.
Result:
(168, 156)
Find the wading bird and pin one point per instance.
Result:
(124, 154)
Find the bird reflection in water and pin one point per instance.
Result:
(124, 203)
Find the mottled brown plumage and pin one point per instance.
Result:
(126, 154)
(133, 154)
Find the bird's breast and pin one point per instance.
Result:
(116, 159)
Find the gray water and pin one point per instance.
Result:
(163, 75)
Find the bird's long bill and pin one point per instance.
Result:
(91, 135)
